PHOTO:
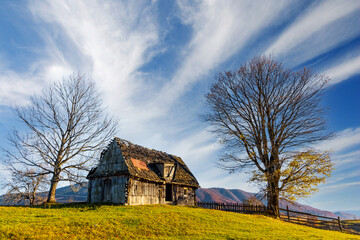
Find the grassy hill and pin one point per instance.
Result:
(223, 195)
(147, 222)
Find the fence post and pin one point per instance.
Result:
(340, 227)
(287, 211)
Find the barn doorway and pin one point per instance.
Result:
(107, 190)
(168, 192)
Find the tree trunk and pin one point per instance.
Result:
(52, 191)
(32, 198)
(273, 198)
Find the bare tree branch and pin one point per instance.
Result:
(67, 127)
(23, 187)
(264, 111)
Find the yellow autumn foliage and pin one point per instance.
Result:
(301, 174)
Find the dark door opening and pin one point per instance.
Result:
(168, 193)
(107, 190)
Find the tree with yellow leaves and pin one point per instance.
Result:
(301, 176)
(269, 117)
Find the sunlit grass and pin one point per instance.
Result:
(148, 222)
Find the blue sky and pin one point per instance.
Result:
(154, 61)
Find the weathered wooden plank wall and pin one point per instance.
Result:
(116, 193)
(143, 193)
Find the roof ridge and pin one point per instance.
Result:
(128, 143)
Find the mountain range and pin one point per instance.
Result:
(222, 195)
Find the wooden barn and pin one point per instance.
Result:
(131, 174)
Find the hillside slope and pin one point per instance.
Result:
(148, 222)
(66, 195)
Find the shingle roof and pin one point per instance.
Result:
(142, 161)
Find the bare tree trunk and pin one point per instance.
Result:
(52, 191)
(32, 198)
(273, 198)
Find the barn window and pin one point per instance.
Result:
(185, 192)
(168, 193)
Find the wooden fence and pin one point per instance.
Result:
(311, 220)
(302, 218)
(233, 207)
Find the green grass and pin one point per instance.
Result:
(148, 222)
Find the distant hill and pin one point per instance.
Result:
(344, 215)
(222, 195)
(353, 212)
(66, 195)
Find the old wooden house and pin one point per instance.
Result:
(131, 174)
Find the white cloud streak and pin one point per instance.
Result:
(221, 29)
(344, 140)
(16, 88)
(347, 176)
(346, 153)
(344, 70)
(115, 38)
(337, 187)
(322, 27)
(12, 86)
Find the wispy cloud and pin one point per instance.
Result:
(321, 27)
(16, 87)
(346, 176)
(346, 154)
(215, 177)
(199, 147)
(337, 187)
(220, 30)
(344, 140)
(108, 41)
(12, 86)
(347, 160)
(114, 39)
(344, 70)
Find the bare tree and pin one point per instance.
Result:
(253, 201)
(23, 188)
(67, 127)
(267, 116)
